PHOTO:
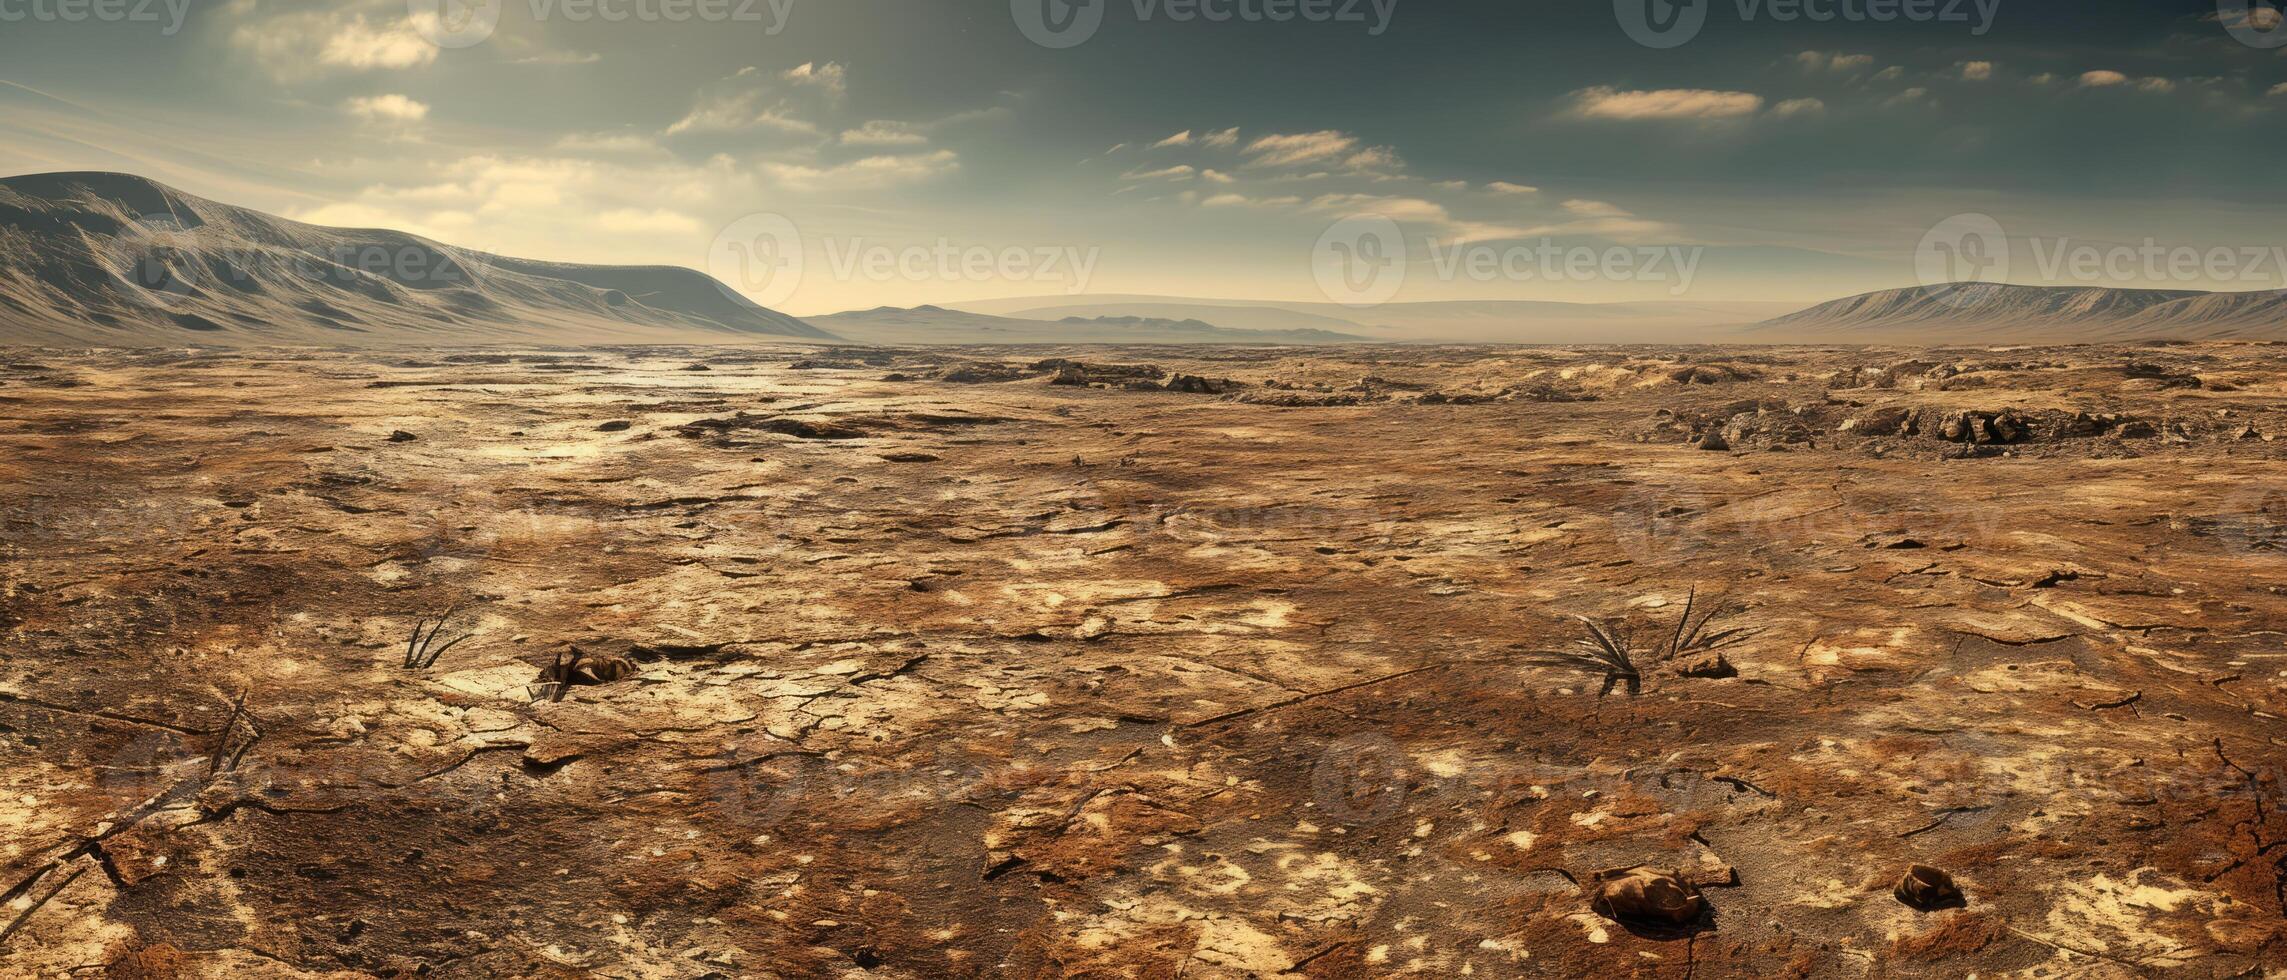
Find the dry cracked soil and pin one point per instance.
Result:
(1151, 662)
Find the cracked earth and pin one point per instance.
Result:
(1154, 662)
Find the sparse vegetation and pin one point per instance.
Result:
(421, 650)
(1609, 647)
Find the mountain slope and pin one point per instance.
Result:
(2090, 313)
(110, 259)
(937, 325)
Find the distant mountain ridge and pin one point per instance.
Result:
(938, 325)
(2092, 313)
(110, 259)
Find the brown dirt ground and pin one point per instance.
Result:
(1004, 677)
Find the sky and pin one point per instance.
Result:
(900, 152)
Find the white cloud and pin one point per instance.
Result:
(1217, 177)
(2278, 90)
(1504, 187)
(1908, 97)
(2156, 85)
(1178, 172)
(1605, 102)
(1596, 209)
(1976, 71)
(2102, 79)
(341, 38)
(868, 173)
(1179, 139)
(1890, 74)
(1414, 210)
(1289, 149)
(1375, 160)
(387, 108)
(1221, 138)
(1226, 201)
(829, 76)
(1799, 107)
(1834, 61)
(882, 132)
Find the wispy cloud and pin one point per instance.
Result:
(387, 108)
(1605, 102)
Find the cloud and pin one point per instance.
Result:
(1179, 139)
(1834, 61)
(1596, 209)
(1221, 138)
(828, 76)
(387, 108)
(866, 174)
(1375, 160)
(2156, 85)
(1414, 210)
(1912, 96)
(1290, 149)
(1890, 74)
(607, 143)
(340, 38)
(2102, 79)
(745, 101)
(882, 132)
(1177, 172)
(1226, 201)
(1605, 102)
(1504, 187)
(1799, 107)
(2278, 90)
(1217, 177)
(1976, 71)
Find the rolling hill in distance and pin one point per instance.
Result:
(1999, 312)
(108, 259)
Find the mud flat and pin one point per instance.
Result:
(1173, 661)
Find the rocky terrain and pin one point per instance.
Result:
(1178, 662)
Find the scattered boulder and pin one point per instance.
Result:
(1891, 421)
(1196, 385)
(1984, 427)
(402, 436)
(1714, 441)
(1646, 896)
(615, 425)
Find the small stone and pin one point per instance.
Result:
(402, 436)
(1646, 895)
(1714, 441)
(615, 425)
(1927, 888)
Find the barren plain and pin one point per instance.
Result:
(1158, 662)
